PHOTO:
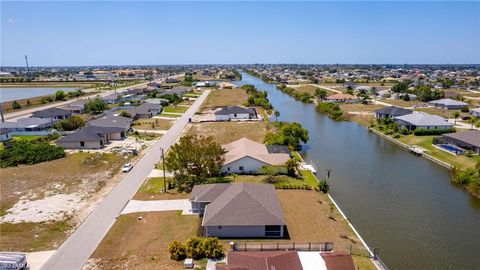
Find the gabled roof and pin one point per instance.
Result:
(85, 134)
(424, 119)
(51, 112)
(245, 204)
(112, 121)
(207, 192)
(245, 147)
(394, 111)
(235, 110)
(338, 261)
(471, 137)
(448, 101)
(27, 122)
(262, 260)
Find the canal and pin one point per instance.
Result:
(402, 204)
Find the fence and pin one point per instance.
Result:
(269, 246)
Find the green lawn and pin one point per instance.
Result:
(153, 185)
(169, 115)
(171, 109)
(27, 138)
(281, 180)
(309, 178)
(194, 95)
(426, 142)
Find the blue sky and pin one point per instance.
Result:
(115, 33)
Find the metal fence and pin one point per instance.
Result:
(271, 246)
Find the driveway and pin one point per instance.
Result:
(134, 206)
(76, 250)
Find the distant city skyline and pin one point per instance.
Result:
(164, 33)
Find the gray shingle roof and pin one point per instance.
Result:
(234, 110)
(51, 112)
(112, 121)
(471, 137)
(394, 111)
(245, 204)
(448, 102)
(28, 122)
(86, 134)
(424, 119)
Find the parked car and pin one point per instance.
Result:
(127, 167)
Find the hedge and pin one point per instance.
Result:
(25, 152)
(427, 132)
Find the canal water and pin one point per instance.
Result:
(10, 94)
(402, 204)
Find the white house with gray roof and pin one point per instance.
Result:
(422, 120)
(246, 156)
(27, 124)
(235, 113)
(448, 103)
(239, 210)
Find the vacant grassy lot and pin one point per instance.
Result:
(142, 244)
(360, 107)
(152, 124)
(363, 119)
(175, 109)
(227, 132)
(152, 189)
(29, 237)
(83, 173)
(164, 114)
(281, 179)
(400, 102)
(442, 113)
(228, 97)
(309, 88)
(311, 217)
(426, 142)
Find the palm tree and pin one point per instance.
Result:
(456, 115)
(277, 114)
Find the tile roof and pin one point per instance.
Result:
(245, 204)
(338, 261)
(262, 260)
(245, 147)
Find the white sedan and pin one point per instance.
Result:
(127, 167)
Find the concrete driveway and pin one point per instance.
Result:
(134, 206)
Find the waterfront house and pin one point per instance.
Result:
(76, 107)
(52, 114)
(238, 210)
(447, 103)
(468, 140)
(391, 112)
(475, 112)
(28, 124)
(235, 112)
(417, 120)
(288, 260)
(342, 98)
(247, 156)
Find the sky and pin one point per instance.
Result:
(161, 33)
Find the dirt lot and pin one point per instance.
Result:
(142, 244)
(152, 124)
(311, 217)
(228, 97)
(227, 132)
(44, 196)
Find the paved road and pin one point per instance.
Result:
(76, 250)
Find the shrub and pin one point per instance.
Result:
(465, 109)
(46, 99)
(331, 109)
(16, 105)
(270, 179)
(177, 251)
(212, 248)
(427, 132)
(60, 95)
(71, 123)
(194, 248)
(323, 186)
(125, 114)
(25, 152)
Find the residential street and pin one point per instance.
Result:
(76, 250)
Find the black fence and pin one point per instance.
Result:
(271, 246)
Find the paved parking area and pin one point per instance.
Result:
(134, 206)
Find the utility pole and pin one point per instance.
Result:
(1, 113)
(328, 173)
(164, 176)
(28, 70)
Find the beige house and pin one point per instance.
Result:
(246, 156)
(226, 85)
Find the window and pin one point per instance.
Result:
(240, 168)
(273, 230)
(82, 144)
(234, 115)
(228, 168)
(219, 227)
